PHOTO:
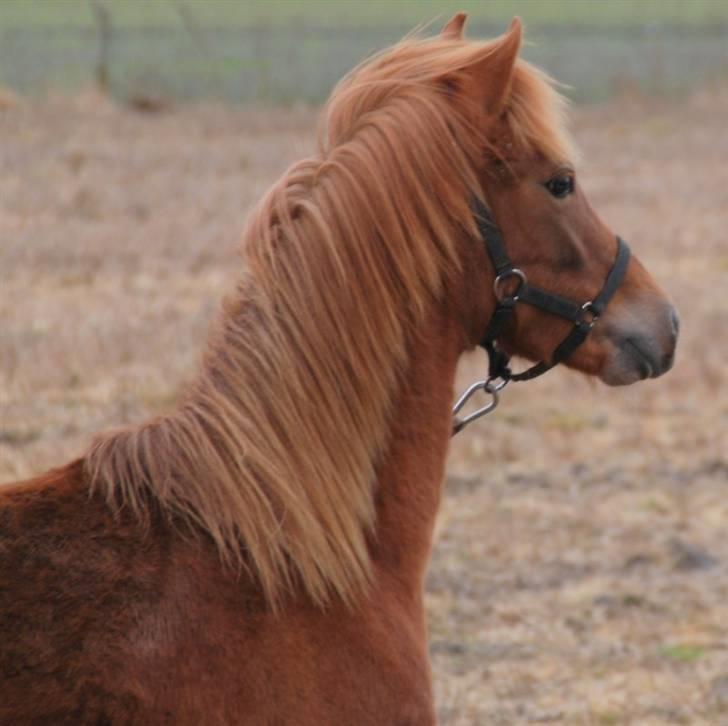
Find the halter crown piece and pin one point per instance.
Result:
(582, 315)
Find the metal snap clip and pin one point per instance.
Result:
(493, 390)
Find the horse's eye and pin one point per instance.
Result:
(560, 186)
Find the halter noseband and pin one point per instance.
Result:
(582, 315)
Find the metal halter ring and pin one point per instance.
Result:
(588, 309)
(493, 385)
(513, 272)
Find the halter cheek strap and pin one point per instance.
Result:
(582, 315)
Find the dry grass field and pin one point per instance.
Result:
(581, 569)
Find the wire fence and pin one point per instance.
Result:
(276, 64)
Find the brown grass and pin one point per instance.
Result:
(581, 573)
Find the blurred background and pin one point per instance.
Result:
(580, 574)
(283, 51)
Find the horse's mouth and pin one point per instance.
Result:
(642, 359)
(637, 358)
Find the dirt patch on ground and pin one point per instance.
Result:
(581, 572)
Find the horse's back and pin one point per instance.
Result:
(71, 581)
(104, 621)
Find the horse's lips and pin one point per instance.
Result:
(645, 366)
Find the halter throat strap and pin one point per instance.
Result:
(582, 315)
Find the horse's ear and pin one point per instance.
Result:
(453, 30)
(489, 76)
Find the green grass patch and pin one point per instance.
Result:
(683, 653)
(607, 718)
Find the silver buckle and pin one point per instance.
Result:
(513, 272)
(588, 309)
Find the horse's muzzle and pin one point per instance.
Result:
(644, 352)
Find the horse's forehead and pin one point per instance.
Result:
(509, 157)
(536, 163)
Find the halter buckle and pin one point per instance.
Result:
(589, 314)
(513, 272)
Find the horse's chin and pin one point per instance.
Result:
(614, 375)
(636, 358)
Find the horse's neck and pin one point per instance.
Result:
(412, 471)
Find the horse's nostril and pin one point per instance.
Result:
(675, 321)
(667, 360)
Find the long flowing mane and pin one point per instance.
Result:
(273, 448)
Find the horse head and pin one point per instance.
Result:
(558, 243)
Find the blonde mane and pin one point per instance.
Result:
(274, 447)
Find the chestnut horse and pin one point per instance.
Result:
(257, 555)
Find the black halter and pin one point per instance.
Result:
(582, 315)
